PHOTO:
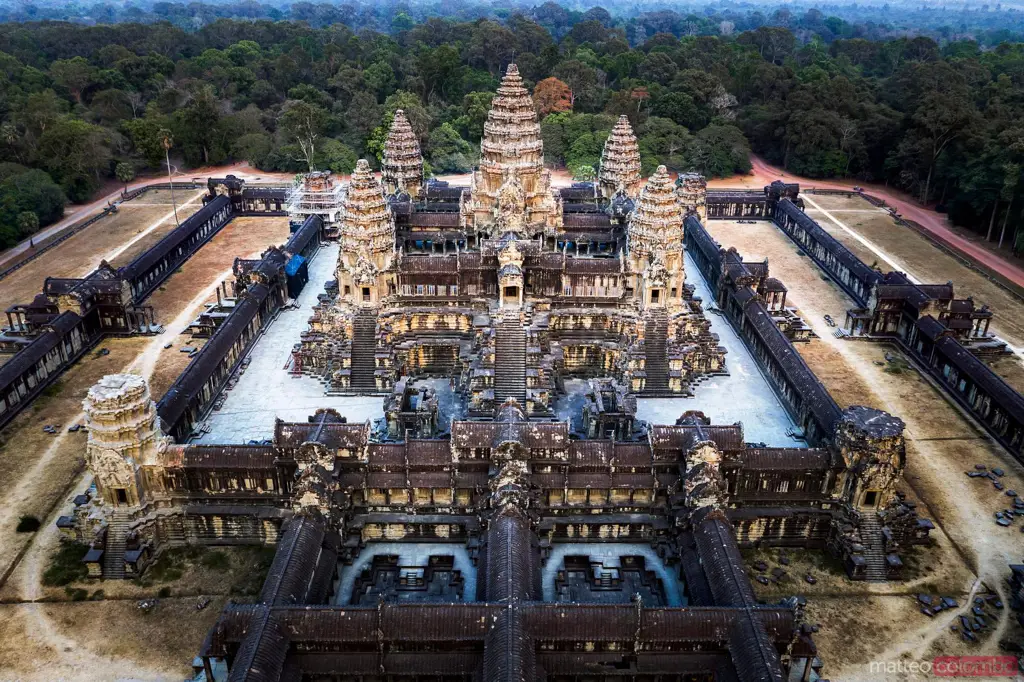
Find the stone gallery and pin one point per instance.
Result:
(508, 516)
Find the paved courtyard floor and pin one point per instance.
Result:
(743, 396)
(610, 554)
(267, 390)
(410, 554)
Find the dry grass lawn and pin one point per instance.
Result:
(74, 640)
(79, 255)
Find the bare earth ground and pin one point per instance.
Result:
(79, 255)
(37, 471)
(924, 261)
(941, 445)
(921, 259)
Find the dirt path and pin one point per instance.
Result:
(114, 253)
(932, 221)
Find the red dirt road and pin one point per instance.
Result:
(761, 175)
(932, 221)
(78, 212)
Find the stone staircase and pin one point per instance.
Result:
(364, 349)
(510, 361)
(113, 552)
(874, 547)
(656, 360)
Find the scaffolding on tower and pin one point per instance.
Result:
(318, 193)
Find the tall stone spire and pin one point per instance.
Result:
(402, 168)
(620, 161)
(654, 242)
(656, 224)
(512, 132)
(512, 146)
(367, 235)
(693, 195)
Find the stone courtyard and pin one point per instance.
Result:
(267, 390)
(764, 418)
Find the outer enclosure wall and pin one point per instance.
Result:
(967, 380)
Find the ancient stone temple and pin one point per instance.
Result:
(537, 287)
(693, 194)
(512, 161)
(507, 516)
(367, 240)
(620, 161)
(402, 166)
(124, 435)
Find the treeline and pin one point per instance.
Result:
(84, 104)
(988, 24)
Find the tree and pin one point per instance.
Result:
(448, 152)
(336, 157)
(28, 198)
(196, 129)
(941, 117)
(583, 173)
(73, 74)
(28, 223)
(552, 96)
(145, 134)
(253, 148)
(582, 80)
(475, 106)
(125, 173)
(662, 141)
(719, 151)
(303, 123)
(75, 152)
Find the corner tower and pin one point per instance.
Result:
(693, 195)
(124, 435)
(367, 240)
(402, 167)
(512, 152)
(654, 241)
(620, 161)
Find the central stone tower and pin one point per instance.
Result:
(512, 157)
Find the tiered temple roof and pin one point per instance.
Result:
(620, 161)
(656, 226)
(402, 168)
(512, 160)
(693, 194)
(367, 224)
(512, 132)
(317, 194)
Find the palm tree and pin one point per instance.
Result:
(168, 142)
(125, 173)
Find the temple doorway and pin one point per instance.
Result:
(510, 295)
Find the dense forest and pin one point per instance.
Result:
(83, 104)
